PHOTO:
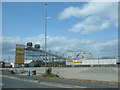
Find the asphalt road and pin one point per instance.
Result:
(12, 83)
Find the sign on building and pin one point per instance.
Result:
(19, 56)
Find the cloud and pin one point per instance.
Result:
(90, 24)
(97, 16)
(62, 45)
(92, 8)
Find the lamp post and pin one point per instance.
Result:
(45, 36)
(98, 61)
(49, 59)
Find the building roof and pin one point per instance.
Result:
(28, 61)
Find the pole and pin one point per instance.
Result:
(98, 61)
(49, 60)
(45, 36)
(8, 58)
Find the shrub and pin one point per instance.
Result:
(50, 75)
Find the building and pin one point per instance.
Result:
(36, 63)
(97, 61)
(5, 64)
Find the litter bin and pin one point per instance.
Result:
(34, 72)
(49, 71)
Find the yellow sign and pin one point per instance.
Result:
(69, 61)
(77, 62)
(19, 57)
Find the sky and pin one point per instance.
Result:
(87, 26)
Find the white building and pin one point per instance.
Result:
(91, 62)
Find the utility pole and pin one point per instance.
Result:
(45, 37)
(98, 61)
(8, 58)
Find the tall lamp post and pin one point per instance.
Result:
(45, 37)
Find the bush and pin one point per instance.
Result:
(12, 72)
(50, 75)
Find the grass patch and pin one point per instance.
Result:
(50, 75)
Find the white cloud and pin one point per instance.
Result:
(61, 45)
(96, 16)
(92, 8)
(90, 24)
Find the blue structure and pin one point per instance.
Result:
(28, 73)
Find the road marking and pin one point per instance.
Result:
(46, 83)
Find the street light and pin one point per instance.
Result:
(45, 36)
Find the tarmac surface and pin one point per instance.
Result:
(84, 77)
(13, 83)
(18, 81)
(109, 74)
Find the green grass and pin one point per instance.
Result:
(50, 75)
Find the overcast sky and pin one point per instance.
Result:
(87, 26)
